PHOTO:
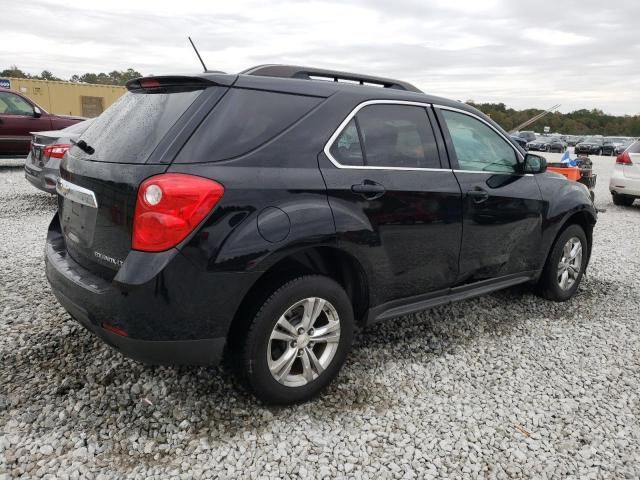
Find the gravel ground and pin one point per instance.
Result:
(504, 386)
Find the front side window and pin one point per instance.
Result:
(11, 104)
(477, 146)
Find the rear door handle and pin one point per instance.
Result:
(369, 190)
(478, 195)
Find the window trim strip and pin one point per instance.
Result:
(360, 106)
(351, 115)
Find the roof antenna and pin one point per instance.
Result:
(198, 54)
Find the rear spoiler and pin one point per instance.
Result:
(179, 83)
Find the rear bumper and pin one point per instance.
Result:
(623, 185)
(156, 352)
(43, 178)
(177, 318)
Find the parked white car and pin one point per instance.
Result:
(625, 180)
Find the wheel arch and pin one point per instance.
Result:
(330, 261)
(585, 219)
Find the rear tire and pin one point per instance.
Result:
(565, 265)
(622, 200)
(285, 361)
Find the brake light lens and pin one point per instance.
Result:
(56, 151)
(624, 159)
(169, 207)
(149, 83)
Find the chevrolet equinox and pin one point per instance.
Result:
(263, 217)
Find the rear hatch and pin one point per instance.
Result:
(137, 137)
(633, 170)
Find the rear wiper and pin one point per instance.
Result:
(84, 146)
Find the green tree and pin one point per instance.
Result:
(47, 75)
(14, 72)
(579, 122)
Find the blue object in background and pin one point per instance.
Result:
(566, 158)
(5, 83)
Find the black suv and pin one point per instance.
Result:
(265, 216)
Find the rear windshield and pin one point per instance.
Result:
(78, 127)
(635, 147)
(130, 129)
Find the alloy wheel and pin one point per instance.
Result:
(570, 263)
(303, 342)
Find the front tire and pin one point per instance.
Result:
(565, 265)
(298, 340)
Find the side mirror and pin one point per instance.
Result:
(534, 163)
(37, 113)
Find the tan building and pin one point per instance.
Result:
(67, 98)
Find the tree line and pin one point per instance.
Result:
(580, 122)
(116, 77)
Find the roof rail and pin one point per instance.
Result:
(310, 73)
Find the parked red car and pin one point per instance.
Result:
(19, 115)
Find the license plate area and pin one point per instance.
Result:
(78, 213)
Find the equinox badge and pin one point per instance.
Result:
(106, 258)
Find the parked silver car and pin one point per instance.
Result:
(42, 166)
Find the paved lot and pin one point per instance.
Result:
(505, 386)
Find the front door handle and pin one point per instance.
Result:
(478, 195)
(369, 190)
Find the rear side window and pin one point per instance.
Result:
(347, 149)
(130, 129)
(392, 136)
(242, 121)
(397, 136)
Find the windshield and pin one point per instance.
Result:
(130, 129)
(592, 140)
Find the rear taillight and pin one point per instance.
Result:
(624, 159)
(169, 207)
(56, 151)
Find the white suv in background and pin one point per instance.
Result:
(625, 179)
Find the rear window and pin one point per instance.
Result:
(242, 121)
(78, 127)
(130, 129)
(634, 148)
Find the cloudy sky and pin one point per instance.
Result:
(579, 53)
